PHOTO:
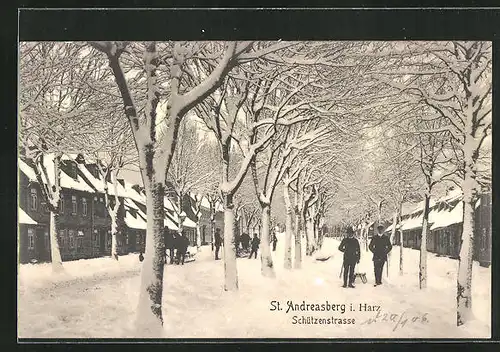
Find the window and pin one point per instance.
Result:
(62, 238)
(74, 205)
(84, 206)
(71, 238)
(61, 205)
(46, 240)
(108, 241)
(31, 239)
(33, 199)
(95, 239)
(79, 244)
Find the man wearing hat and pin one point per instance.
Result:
(350, 247)
(380, 246)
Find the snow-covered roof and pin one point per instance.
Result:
(447, 218)
(135, 223)
(411, 223)
(389, 228)
(66, 181)
(205, 203)
(131, 193)
(99, 184)
(24, 218)
(167, 203)
(27, 170)
(189, 223)
(451, 196)
(168, 223)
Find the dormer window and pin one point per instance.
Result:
(33, 199)
(73, 170)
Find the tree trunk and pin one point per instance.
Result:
(149, 311)
(311, 246)
(114, 230)
(304, 223)
(198, 233)
(212, 226)
(395, 222)
(55, 253)
(422, 274)
(288, 229)
(394, 225)
(364, 236)
(401, 236)
(464, 281)
(298, 242)
(266, 260)
(230, 269)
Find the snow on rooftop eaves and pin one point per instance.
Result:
(99, 184)
(189, 223)
(66, 181)
(170, 224)
(167, 203)
(131, 193)
(411, 223)
(26, 169)
(447, 218)
(135, 222)
(24, 218)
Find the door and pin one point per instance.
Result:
(39, 245)
(102, 241)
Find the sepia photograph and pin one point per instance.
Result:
(289, 189)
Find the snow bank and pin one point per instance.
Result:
(100, 297)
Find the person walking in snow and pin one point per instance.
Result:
(169, 246)
(245, 241)
(182, 245)
(380, 246)
(217, 243)
(275, 241)
(255, 246)
(352, 254)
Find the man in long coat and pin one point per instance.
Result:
(352, 254)
(380, 246)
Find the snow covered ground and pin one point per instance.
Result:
(97, 297)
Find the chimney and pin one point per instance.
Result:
(80, 159)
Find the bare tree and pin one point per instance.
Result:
(454, 79)
(272, 162)
(163, 79)
(58, 108)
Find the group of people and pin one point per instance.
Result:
(176, 246)
(178, 243)
(245, 241)
(380, 246)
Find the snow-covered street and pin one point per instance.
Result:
(97, 298)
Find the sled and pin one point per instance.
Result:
(190, 257)
(324, 259)
(362, 276)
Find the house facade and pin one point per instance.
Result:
(445, 225)
(84, 224)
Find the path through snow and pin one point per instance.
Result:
(97, 298)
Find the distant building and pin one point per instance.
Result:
(84, 222)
